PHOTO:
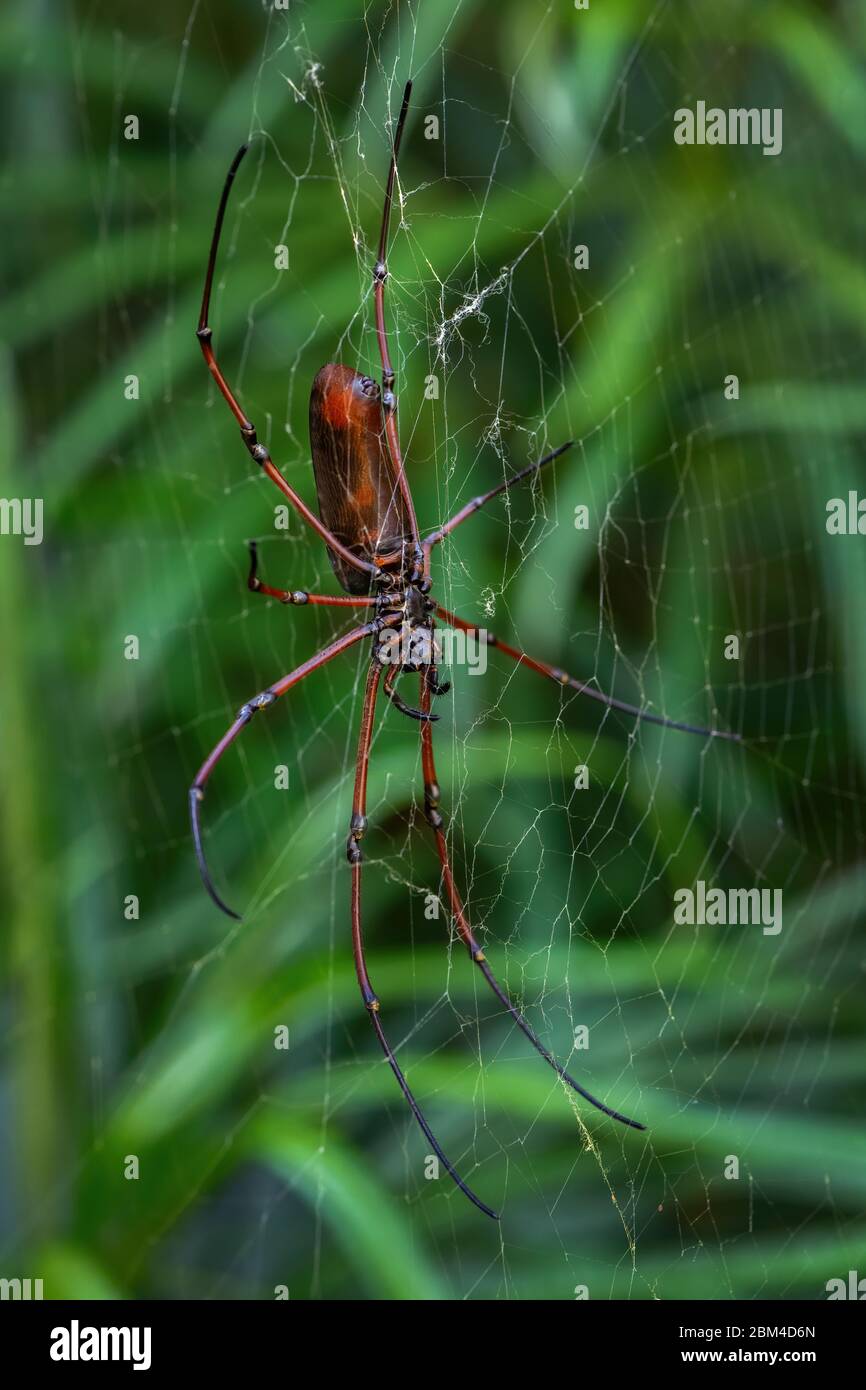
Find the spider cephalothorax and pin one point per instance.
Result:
(367, 521)
(410, 645)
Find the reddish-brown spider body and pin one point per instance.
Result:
(359, 501)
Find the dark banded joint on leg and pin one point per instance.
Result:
(256, 450)
(262, 701)
(431, 805)
(357, 828)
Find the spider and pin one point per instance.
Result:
(368, 523)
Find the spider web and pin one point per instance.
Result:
(705, 519)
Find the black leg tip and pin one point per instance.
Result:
(196, 796)
(224, 907)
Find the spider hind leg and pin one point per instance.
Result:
(358, 825)
(436, 822)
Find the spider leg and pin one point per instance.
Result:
(477, 502)
(399, 704)
(245, 714)
(298, 596)
(437, 825)
(380, 275)
(204, 333)
(371, 1002)
(555, 673)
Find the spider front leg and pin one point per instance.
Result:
(357, 827)
(258, 452)
(380, 275)
(437, 824)
(245, 714)
(478, 502)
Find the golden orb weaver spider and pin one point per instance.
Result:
(368, 523)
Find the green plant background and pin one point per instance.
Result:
(154, 1037)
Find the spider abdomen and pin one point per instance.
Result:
(359, 500)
